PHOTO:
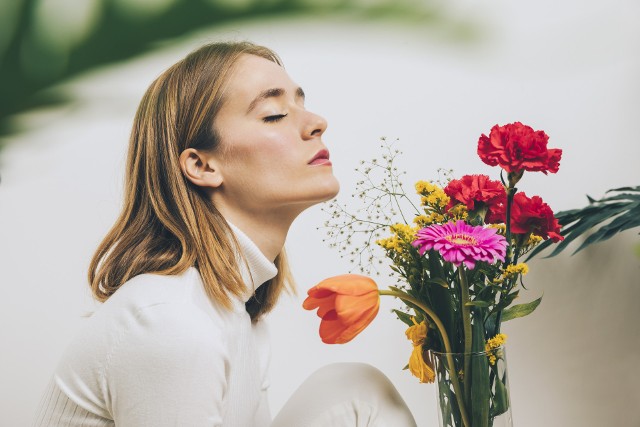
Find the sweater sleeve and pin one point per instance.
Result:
(168, 368)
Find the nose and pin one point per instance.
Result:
(315, 126)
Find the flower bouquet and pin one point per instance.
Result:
(457, 264)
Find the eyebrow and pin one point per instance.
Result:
(272, 93)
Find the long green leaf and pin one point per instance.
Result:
(619, 224)
(621, 209)
(443, 304)
(438, 281)
(520, 310)
(478, 303)
(480, 390)
(636, 189)
(501, 397)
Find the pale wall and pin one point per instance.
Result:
(570, 69)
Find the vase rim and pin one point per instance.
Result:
(473, 353)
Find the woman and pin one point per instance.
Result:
(223, 157)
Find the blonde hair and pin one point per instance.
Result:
(167, 223)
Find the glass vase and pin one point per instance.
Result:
(482, 392)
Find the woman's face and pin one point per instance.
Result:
(272, 157)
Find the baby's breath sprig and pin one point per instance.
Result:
(381, 202)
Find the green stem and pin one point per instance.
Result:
(511, 191)
(468, 338)
(447, 346)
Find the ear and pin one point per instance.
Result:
(200, 168)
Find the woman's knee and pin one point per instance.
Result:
(353, 374)
(359, 381)
(356, 388)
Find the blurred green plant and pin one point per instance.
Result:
(45, 42)
(610, 215)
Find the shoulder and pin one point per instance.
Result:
(183, 292)
(164, 315)
(153, 325)
(166, 334)
(150, 289)
(161, 306)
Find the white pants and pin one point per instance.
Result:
(345, 395)
(338, 395)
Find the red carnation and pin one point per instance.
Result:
(517, 147)
(471, 189)
(531, 215)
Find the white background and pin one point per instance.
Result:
(568, 68)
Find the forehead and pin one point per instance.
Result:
(252, 75)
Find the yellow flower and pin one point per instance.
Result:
(436, 200)
(417, 333)
(502, 228)
(432, 199)
(459, 211)
(432, 195)
(419, 367)
(496, 341)
(533, 240)
(514, 270)
(403, 236)
(511, 272)
(492, 344)
(422, 220)
(388, 243)
(424, 187)
(492, 358)
(404, 232)
(426, 220)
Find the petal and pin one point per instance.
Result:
(351, 308)
(348, 284)
(331, 328)
(312, 301)
(327, 305)
(351, 331)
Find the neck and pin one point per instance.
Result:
(268, 232)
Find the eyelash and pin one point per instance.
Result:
(275, 118)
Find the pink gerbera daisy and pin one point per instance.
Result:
(462, 243)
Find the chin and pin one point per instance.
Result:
(320, 193)
(330, 190)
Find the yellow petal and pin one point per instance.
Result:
(419, 368)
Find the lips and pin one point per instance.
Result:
(321, 158)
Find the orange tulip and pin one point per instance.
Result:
(346, 304)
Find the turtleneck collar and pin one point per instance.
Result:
(260, 268)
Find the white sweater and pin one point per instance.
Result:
(159, 353)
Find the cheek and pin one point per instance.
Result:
(264, 150)
(263, 162)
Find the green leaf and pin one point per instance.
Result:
(478, 303)
(404, 317)
(501, 398)
(443, 304)
(619, 224)
(438, 281)
(520, 310)
(636, 189)
(622, 208)
(480, 390)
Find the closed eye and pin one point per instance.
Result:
(274, 118)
